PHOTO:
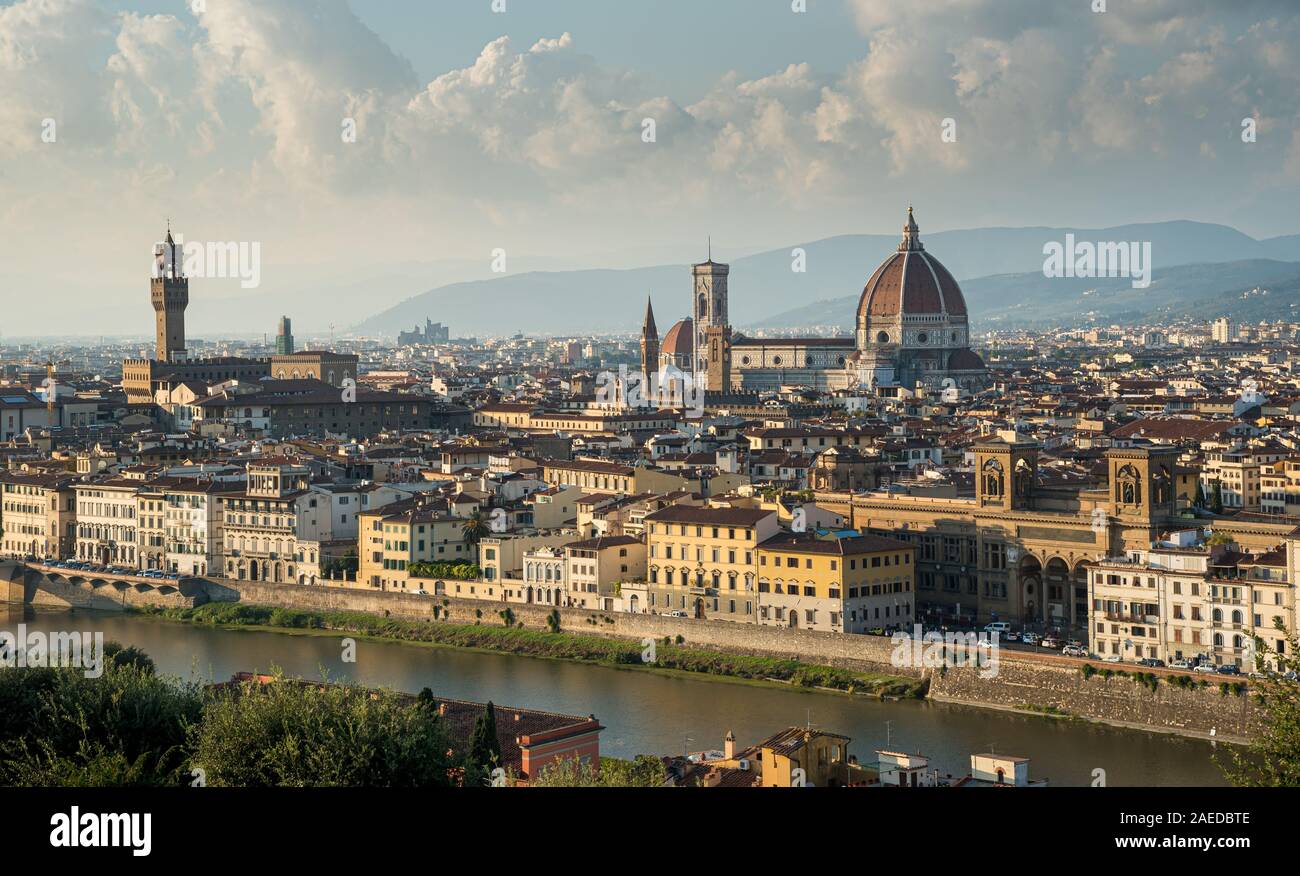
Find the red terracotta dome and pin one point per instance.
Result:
(678, 340)
(911, 282)
(965, 360)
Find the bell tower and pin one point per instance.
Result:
(709, 307)
(1004, 474)
(649, 341)
(1142, 482)
(169, 291)
(717, 346)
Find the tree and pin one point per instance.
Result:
(646, 771)
(484, 746)
(286, 733)
(1216, 498)
(1273, 757)
(128, 726)
(1199, 501)
(475, 528)
(132, 656)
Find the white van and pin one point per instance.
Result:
(1002, 628)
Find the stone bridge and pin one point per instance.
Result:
(36, 583)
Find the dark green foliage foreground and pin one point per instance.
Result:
(132, 727)
(540, 643)
(1273, 757)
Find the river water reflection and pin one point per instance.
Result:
(645, 712)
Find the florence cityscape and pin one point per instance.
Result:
(804, 394)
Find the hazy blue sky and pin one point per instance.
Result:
(522, 130)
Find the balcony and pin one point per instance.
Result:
(1129, 618)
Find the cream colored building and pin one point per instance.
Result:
(1186, 599)
(107, 529)
(595, 569)
(39, 515)
(151, 527)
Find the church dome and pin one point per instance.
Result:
(677, 342)
(911, 282)
(965, 360)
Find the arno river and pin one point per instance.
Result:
(649, 713)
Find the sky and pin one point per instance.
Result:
(525, 132)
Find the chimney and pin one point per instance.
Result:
(729, 745)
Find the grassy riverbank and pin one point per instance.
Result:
(538, 643)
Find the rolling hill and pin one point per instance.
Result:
(1000, 270)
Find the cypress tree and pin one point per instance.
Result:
(484, 747)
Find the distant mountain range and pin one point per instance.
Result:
(1196, 265)
(1255, 289)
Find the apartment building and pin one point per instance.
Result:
(848, 584)
(595, 569)
(150, 527)
(1151, 605)
(260, 525)
(38, 513)
(193, 527)
(391, 539)
(1279, 487)
(1186, 598)
(502, 557)
(107, 527)
(1238, 478)
(701, 560)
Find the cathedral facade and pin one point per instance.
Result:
(911, 330)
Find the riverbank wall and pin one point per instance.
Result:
(1022, 682)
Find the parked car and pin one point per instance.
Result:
(1111, 658)
(1074, 651)
(1049, 642)
(1002, 628)
(1180, 664)
(1152, 662)
(1029, 639)
(677, 612)
(422, 592)
(1229, 669)
(1206, 667)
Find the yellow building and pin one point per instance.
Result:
(392, 538)
(800, 757)
(701, 561)
(851, 584)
